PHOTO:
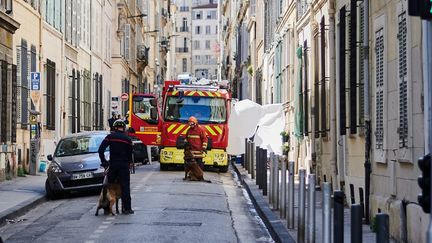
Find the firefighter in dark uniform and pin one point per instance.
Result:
(120, 161)
(197, 138)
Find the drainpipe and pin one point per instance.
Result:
(368, 132)
(333, 132)
(427, 80)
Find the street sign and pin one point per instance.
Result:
(33, 119)
(124, 97)
(35, 80)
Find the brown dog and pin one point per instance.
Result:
(193, 172)
(111, 193)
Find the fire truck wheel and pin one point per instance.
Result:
(223, 169)
(163, 167)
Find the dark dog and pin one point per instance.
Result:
(111, 193)
(193, 172)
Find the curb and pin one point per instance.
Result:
(273, 223)
(21, 208)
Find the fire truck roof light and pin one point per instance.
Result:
(196, 87)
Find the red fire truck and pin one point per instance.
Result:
(210, 104)
(144, 118)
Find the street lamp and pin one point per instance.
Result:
(137, 16)
(151, 31)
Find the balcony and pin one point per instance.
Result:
(183, 29)
(184, 8)
(182, 49)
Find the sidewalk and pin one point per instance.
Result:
(20, 195)
(272, 217)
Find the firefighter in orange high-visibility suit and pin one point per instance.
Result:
(197, 138)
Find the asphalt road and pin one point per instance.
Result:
(167, 209)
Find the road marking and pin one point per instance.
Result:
(103, 227)
(94, 236)
(99, 231)
(106, 222)
(110, 218)
(89, 241)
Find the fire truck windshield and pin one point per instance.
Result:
(205, 109)
(141, 107)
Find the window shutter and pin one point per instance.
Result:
(19, 90)
(4, 103)
(323, 82)
(353, 67)
(24, 85)
(78, 100)
(14, 104)
(361, 97)
(100, 103)
(403, 80)
(379, 95)
(342, 64)
(29, 70)
(127, 41)
(305, 92)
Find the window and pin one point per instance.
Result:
(207, 59)
(208, 30)
(86, 101)
(185, 42)
(362, 54)
(207, 44)
(342, 72)
(198, 30)
(97, 105)
(196, 44)
(353, 67)
(205, 109)
(8, 86)
(184, 64)
(403, 80)
(197, 59)
(54, 14)
(23, 82)
(379, 89)
(50, 68)
(74, 102)
(198, 14)
(211, 14)
(324, 80)
(305, 90)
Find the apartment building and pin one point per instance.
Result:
(9, 85)
(352, 91)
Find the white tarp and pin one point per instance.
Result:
(244, 119)
(270, 126)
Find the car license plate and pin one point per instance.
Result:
(82, 176)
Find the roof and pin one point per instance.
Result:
(210, 5)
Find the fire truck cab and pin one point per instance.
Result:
(210, 104)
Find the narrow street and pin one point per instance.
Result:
(167, 209)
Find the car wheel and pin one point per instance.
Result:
(163, 167)
(223, 169)
(50, 194)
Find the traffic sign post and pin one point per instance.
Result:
(35, 80)
(124, 97)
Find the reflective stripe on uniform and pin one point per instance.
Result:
(193, 136)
